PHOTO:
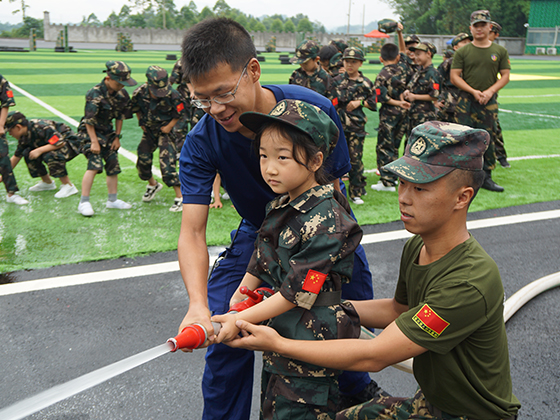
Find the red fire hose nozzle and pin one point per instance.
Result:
(192, 336)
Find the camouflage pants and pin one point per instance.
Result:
(6, 171)
(499, 146)
(151, 140)
(470, 112)
(357, 182)
(95, 162)
(55, 161)
(291, 398)
(394, 408)
(447, 111)
(388, 142)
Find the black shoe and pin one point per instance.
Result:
(503, 161)
(490, 185)
(371, 391)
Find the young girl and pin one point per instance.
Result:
(305, 251)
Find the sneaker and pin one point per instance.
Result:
(357, 200)
(66, 190)
(85, 209)
(377, 172)
(382, 187)
(43, 186)
(371, 391)
(177, 205)
(118, 204)
(151, 191)
(503, 161)
(16, 199)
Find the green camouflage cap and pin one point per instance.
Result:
(353, 53)
(425, 46)
(480, 16)
(411, 39)
(158, 81)
(14, 118)
(305, 51)
(305, 117)
(387, 26)
(448, 53)
(496, 27)
(436, 148)
(460, 37)
(120, 72)
(340, 44)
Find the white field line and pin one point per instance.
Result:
(129, 155)
(170, 267)
(530, 114)
(531, 96)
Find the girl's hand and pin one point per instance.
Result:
(256, 338)
(228, 331)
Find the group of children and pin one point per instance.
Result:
(46, 144)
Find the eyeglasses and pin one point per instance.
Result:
(222, 99)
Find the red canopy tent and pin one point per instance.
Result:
(376, 34)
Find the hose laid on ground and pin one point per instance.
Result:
(511, 306)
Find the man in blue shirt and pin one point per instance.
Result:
(219, 59)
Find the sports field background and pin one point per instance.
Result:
(50, 232)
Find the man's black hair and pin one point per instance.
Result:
(389, 52)
(327, 52)
(213, 42)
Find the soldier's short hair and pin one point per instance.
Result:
(215, 41)
(327, 52)
(389, 52)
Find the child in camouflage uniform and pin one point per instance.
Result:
(447, 100)
(423, 88)
(158, 107)
(105, 102)
(354, 91)
(43, 142)
(304, 250)
(310, 74)
(182, 127)
(390, 85)
(6, 172)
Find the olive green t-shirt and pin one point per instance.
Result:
(481, 65)
(456, 313)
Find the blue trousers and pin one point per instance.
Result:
(227, 383)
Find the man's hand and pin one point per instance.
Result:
(256, 337)
(166, 129)
(486, 96)
(198, 315)
(409, 96)
(95, 147)
(352, 105)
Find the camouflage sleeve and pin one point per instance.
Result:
(178, 105)
(175, 74)
(370, 101)
(6, 94)
(50, 134)
(381, 88)
(91, 108)
(135, 100)
(435, 83)
(125, 106)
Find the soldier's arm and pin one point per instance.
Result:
(167, 128)
(402, 46)
(3, 116)
(95, 148)
(500, 83)
(14, 160)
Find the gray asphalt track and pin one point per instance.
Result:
(52, 336)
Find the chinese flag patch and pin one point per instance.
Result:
(436, 86)
(314, 281)
(10, 93)
(427, 319)
(180, 107)
(335, 101)
(54, 139)
(378, 91)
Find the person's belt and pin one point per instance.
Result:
(328, 298)
(436, 412)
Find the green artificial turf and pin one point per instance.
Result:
(50, 232)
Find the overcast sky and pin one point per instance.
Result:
(331, 13)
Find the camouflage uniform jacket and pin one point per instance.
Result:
(390, 83)
(6, 94)
(424, 81)
(102, 108)
(335, 64)
(41, 132)
(449, 91)
(320, 81)
(155, 113)
(313, 235)
(348, 90)
(182, 88)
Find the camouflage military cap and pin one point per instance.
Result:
(480, 16)
(120, 72)
(387, 26)
(436, 148)
(14, 118)
(448, 53)
(353, 53)
(305, 51)
(411, 39)
(496, 27)
(305, 117)
(425, 46)
(340, 44)
(158, 81)
(460, 37)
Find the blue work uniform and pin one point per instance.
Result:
(227, 384)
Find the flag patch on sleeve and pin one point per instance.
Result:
(314, 281)
(54, 139)
(427, 319)
(180, 107)
(436, 86)
(335, 101)
(10, 93)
